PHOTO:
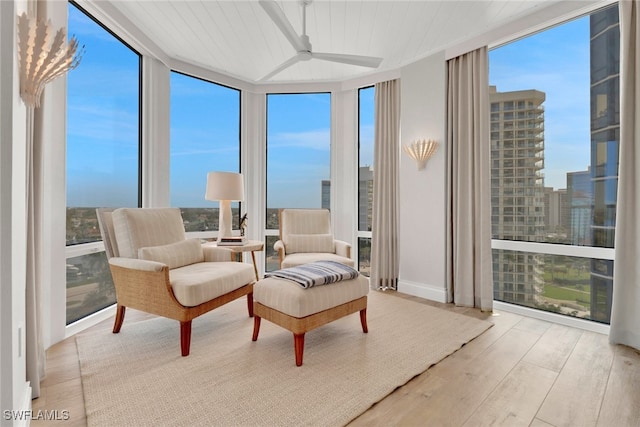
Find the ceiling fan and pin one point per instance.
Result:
(301, 42)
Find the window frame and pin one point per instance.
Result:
(89, 248)
(210, 235)
(589, 252)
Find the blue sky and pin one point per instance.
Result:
(555, 61)
(102, 152)
(205, 129)
(298, 149)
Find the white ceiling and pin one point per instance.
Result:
(239, 39)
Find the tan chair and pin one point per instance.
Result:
(306, 236)
(157, 270)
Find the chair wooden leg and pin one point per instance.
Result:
(185, 337)
(363, 320)
(256, 328)
(119, 318)
(250, 303)
(298, 346)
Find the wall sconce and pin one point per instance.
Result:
(421, 150)
(42, 56)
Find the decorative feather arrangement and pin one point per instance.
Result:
(42, 59)
(421, 151)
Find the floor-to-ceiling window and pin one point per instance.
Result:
(298, 158)
(205, 137)
(365, 176)
(554, 152)
(102, 165)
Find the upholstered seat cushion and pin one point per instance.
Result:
(176, 254)
(290, 298)
(198, 283)
(293, 260)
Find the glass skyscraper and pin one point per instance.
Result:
(605, 137)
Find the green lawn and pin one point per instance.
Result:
(567, 294)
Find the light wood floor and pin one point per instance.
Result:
(521, 372)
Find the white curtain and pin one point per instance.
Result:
(625, 310)
(469, 266)
(384, 234)
(35, 354)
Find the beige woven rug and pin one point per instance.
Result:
(138, 378)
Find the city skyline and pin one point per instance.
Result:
(554, 61)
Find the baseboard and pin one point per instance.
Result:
(21, 416)
(89, 321)
(422, 290)
(559, 319)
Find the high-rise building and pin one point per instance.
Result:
(326, 194)
(365, 198)
(556, 213)
(605, 137)
(517, 190)
(580, 202)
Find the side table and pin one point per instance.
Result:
(250, 246)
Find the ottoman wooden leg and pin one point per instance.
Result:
(256, 327)
(363, 320)
(298, 346)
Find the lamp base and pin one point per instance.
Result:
(225, 219)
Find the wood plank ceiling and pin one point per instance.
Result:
(239, 39)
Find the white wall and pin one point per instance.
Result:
(422, 192)
(15, 392)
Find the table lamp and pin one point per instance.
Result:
(225, 187)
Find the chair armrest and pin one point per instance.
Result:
(144, 285)
(343, 248)
(137, 264)
(278, 246)
(215, 253)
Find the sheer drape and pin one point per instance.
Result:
(34, 346)
(625, 310)
(384, 234)
(35, 355)
(469, 266)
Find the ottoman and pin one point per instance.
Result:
(286, 303)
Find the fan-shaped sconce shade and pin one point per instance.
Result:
(42, 57)
(421, 150)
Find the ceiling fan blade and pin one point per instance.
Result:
(279, 18)
(286, 64)
(363, 61)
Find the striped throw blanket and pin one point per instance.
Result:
(316, 273)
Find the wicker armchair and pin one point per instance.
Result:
(157, 270)
(306, 236)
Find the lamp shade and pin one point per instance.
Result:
(224, 186)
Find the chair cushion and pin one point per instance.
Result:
(304, 221)
(197, 283)
(303, 258)
(301, 243)
(137, 228)
(174, 254)
(290, 298)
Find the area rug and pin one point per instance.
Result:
(138, 378)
